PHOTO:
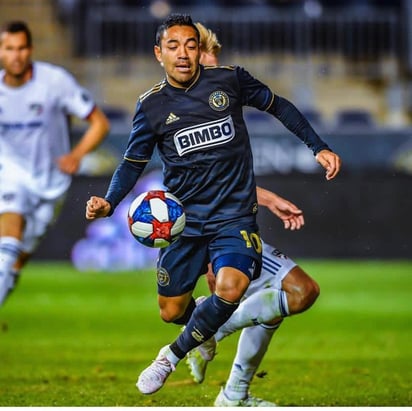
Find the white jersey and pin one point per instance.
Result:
(34, 129)
(275, 267)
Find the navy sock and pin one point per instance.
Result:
(203, 324)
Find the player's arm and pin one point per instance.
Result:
(124, 179)
(288, 212)
(97, 130)
(256, 94)
(138, 153)
(296, 122)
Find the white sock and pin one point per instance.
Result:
(261, 307)
(10, 248)
(252, 346)
(171, 356)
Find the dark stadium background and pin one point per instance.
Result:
(347, 65)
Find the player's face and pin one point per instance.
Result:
(15, 54)
(179, 54)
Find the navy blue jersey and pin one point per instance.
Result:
(204, 145)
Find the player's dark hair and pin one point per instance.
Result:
(17, 26)
(175, 19)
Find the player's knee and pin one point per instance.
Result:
(305, 296)
(302, 290)
(231, 284)
(170, 315)
(171, 310)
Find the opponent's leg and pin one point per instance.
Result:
(252, 346)
(263, 303)
(9, 252)
(11, 229)
(260, 308)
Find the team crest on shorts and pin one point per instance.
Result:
(219, 100)
(163, 278)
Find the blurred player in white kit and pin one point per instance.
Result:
(36, 160)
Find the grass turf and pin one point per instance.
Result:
(81, 339)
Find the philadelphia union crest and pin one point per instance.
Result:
(163, 278)
(219, 100)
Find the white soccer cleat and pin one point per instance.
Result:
(197, 365)
(154, 376)
(208, 349)
(249, 401)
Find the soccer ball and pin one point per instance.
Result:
(156, 218)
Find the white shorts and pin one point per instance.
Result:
(275, 267)
(39, 213)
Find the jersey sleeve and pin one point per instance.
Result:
(142, 139)
(138, 152)
(297, 123)
(73, 98)
(258, 95)
(254, 93)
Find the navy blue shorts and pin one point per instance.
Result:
(182, 263)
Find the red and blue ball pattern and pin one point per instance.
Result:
(156, 218)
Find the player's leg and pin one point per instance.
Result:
(283, 289)
(234, 273)
(265, 302)
(20, 235)
(11, 232)
(203, 323)
(177, 274)
(252, 346)
(301, 289)
(302, 292)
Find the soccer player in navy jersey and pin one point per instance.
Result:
(282, 289)
(194, 117)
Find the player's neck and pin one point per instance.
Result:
(18, 80)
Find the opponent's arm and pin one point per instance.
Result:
(288, 212)
(97, 130)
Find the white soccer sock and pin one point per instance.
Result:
(10, 248)
(252, 346)
(171, 356)
(259, 308)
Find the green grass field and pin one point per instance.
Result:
(81, 339)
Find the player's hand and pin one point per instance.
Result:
(289, 213)
(68, 163)
(330, 161)
(97, 207)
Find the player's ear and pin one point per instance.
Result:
(158, 53)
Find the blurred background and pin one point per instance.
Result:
(347, 65)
